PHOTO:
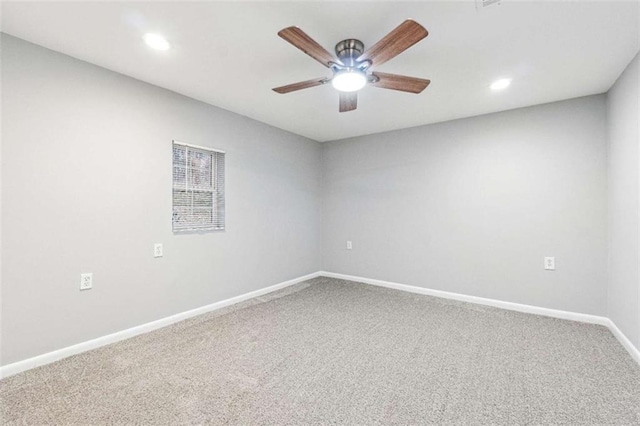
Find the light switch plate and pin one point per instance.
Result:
(157, 250)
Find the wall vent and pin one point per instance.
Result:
(481, 4)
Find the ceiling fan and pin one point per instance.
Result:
(351, 70)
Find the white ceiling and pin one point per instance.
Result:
(228, 54)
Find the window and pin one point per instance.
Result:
(198, 188)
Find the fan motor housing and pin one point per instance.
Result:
(349, 50)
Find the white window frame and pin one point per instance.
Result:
(217, 190)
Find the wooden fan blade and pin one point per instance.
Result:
(300, 85)
(400, 82)
(302, 41)
(397, 41)
(348, 101)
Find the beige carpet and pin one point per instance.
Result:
(335, 352)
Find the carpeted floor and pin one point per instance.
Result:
(336, 352)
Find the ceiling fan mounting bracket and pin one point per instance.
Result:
(359, 66)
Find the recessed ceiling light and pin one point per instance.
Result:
(503, 83)
(156, 41)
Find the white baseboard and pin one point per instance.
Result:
(633, 351)
(27, 364)
(555, 313)
(574, 316)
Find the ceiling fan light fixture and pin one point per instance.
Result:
(349, 80)
(352, 68)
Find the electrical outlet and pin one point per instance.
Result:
(349, 245)
(550, 263)
(86, 281)
(157, 250)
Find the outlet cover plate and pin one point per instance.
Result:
(550, 263)
(86, 281)
(157, 250)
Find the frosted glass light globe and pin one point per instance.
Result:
(349, 80)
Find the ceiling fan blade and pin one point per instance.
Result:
(302, 41)
(400, 82)
(397, 41)
(348, 101)
(301, 85)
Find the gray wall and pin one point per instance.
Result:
(623, 124)
(472, 206)
(86, 187)
(469, 206)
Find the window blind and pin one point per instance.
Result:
(198, 188)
